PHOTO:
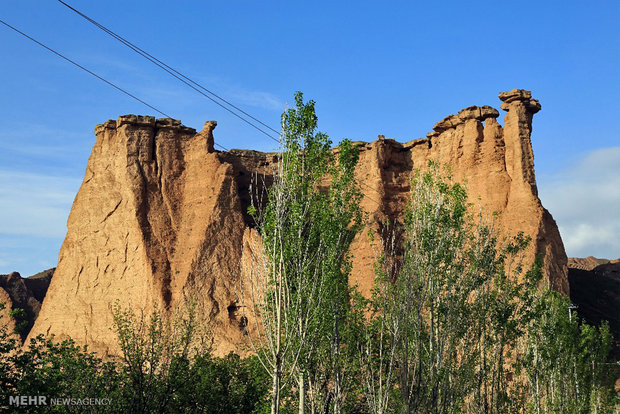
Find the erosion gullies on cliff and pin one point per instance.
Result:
(161, 215)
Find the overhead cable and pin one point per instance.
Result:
(181, 77)
(83, 68)
(186, 80)
(90, 72)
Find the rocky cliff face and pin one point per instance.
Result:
(161, 215)
(26, 294)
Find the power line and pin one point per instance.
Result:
(91, 72)
(135, 97)
(178, 75)
(186, 80)
(83, 68)
(130, 94)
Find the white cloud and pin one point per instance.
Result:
(584, 199)
(256, 99)
(34, 204)
(153, 84)
(59, 151)
(234, 93)
(39, 141)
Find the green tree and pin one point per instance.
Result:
(156, 354)
(8, 346)
(378, 341)
(228, 385)
(160, 371)
(298, 283)
(430, 303)
(566, 361)
(166, 367)
(456, 322)
(54, 369)
(65, 370)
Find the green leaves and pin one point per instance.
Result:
(154, 375)
(565, 359)
(300, 287)
(466, 327)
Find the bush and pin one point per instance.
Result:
(152, 375)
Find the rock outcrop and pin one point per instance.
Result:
(161, 215)
(602, 266)
(26, 294)
(595, 289)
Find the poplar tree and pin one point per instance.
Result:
(297, 283)
(457, 323)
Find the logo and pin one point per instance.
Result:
(39, 400)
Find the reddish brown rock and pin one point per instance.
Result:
(161, 215)
(26, 294)
(591, 262)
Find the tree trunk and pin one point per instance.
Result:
(275, 392)
(302, 394)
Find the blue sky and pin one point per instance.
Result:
(391, 68)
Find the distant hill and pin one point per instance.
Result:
(595, 289)
(28, 293)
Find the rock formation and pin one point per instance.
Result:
(26, 294)
(595, 289)
(161, 215)
(601, 266)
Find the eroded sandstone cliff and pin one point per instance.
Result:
(161, 215)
